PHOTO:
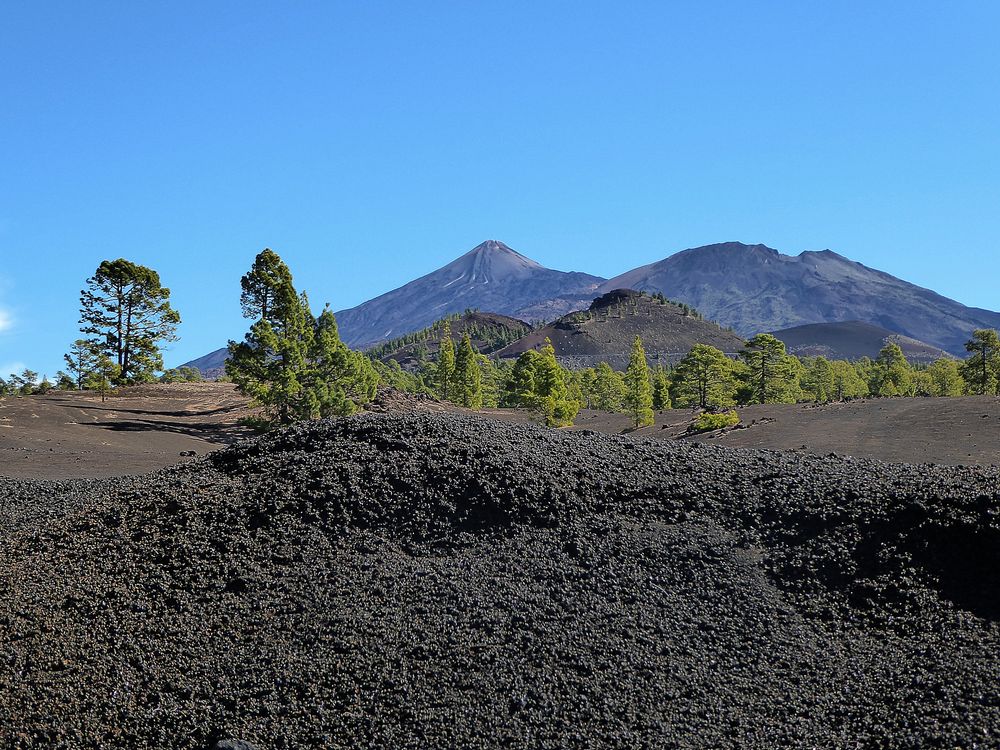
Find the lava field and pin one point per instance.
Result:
(445, 581)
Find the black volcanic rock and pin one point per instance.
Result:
(490, 277)
(449, 582)
(852, 340)
(754, 288)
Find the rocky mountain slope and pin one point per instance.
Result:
(754, 288)
(608, 328)
(441, 582)
(490, 277)
(852, 340)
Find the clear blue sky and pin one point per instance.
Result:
(371, 142)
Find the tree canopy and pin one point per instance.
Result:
(638, 391)
(289, 362)
(126, 312)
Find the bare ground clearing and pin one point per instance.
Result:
(140, 429)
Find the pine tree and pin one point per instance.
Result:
(520, 390)
(103, 377)
(608, 389)
(550, 388)
(981, 371)
(638, 392)
(80, 360)
(467, 377)
(772, 373)
(848, 382)
(445, 363)
(946, 377)
(269, 363)
(126, 311)
(661, 389)
(339, 381)
(891, 373)
(704, 378)
(818, 380)
(65, 383)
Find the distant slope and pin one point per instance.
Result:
(488, 332)
(490, 277)
(607, 330)
(212, 365)
(754, 288)
(852, 340)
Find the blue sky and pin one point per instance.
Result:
(369, 143)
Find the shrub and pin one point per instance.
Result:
(708, 422)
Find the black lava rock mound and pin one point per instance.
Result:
(438, 581)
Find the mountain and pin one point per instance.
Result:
(489, 277)
(488, 332)
(212, 365)
(608, 328)
(754, 288)
(852, 340)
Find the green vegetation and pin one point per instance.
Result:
(467, 378)
(538, 382)
(291, 363)
(638, 390)
(891, 374)
(706, 422)
(126, 312)
(771, 376)
(704, 378)
(491, 336)
(446, 362)
(296, 366)
(181, 375)
(982, 370)
(661, 389)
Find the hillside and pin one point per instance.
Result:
(491, 277)
(488, 332)
(608, 328)
(754, 288)
(852, 340)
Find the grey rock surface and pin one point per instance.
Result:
(754, 288)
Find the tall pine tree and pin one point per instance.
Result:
(771, 374)
(445, 371)
(638, 392)
(269, 364)
(661, 389)
(467, 386)
(291, 363)
(127, 313)
(982, 370)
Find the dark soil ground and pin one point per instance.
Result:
(445, 581)
(139, 429)
(70, 435)
(954, 431)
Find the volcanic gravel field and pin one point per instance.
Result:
(444, 581)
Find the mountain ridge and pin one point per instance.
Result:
(751, 288)
(754, 288)
(491, 277)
